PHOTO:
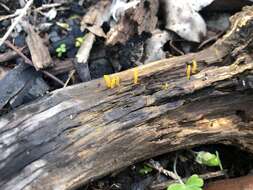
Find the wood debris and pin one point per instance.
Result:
(135, 21)
(39, 52)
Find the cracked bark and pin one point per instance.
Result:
(86, 131)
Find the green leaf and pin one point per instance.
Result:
(59, 54)
(177, 186)
(79, 41)
(58, 50)
(77, 44)
(145, 170)
(63, 50)
(208, 159)
(63, 46)
(195, 181)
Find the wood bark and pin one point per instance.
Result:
(39, 52)
(86, 131)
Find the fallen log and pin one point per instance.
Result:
(242, 183)
(86, 131)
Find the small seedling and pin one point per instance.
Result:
(61, 50)
(79, 41)
(209, 159)
(192, 183)
(145, 170)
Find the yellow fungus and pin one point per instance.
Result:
(117, 80)
(194, 66)
(107, 81)
(188, 71)
(113, 82)
(136, 76)
(165, 86)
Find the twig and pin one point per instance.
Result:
(17, 20)
(48, 6)
(28, 61)
(175, 48)
(175, 171)
(5, 7)
(4, 17)
(158, 167)
(163, 185)
(213, 38)
(71, 73)
(9, 55)
(43, 7)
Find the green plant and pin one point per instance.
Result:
(61, 50)
(145, 170)
(79, 41)
(209, 159)
(192, 183)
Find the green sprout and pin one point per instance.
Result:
(145, 170)
(79, 41)
(192, 183)
(61, 50)
(209, 159)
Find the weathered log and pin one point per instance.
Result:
(86, 131)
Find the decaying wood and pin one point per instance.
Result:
(19, 84)
(7, 56)
(86, 131)
(242, 183)
(39, 52)
(3, 72)
(62, 66)
(92, 21)
(135, 21)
